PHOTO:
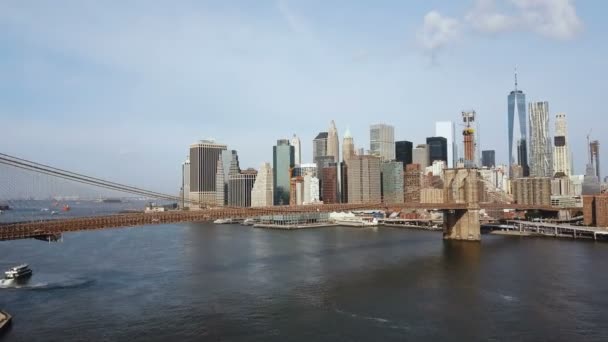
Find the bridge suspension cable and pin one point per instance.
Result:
(83, 179)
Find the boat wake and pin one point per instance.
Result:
(384, 321)
(42, 283)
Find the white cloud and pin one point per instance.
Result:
(437, 31)
(485, 17)
(555, 19)
(551, 18)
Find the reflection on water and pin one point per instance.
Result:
(201, 281)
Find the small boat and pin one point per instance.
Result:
(18, 272)
(44, 209)
(226, 221)
(66, 208)
(54, 212)
(249, 222)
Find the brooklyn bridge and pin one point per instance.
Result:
(460, 206)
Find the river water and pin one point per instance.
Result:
(191, 282)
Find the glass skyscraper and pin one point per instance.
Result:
(283, 162)
(438, 149)
(518, 146)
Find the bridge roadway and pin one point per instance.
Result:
(49, 228)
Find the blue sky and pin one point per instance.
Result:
(119, 90)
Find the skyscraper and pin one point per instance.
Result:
(322, 163)
(420, 155)
(594, 151)
(205, 159)
(438, 149)
(364, 184)
(348, 146)
(382, 141)
(446, 129)
(403, 151)
(282, 157)
(240, 188)
(185, 190)
(333, 144)
(488, 158)
(297, 150)
(518, 147)
(319, 146)
(329, 186)
(262, 191)
(541, 151)
(392, 182)
(561, 149)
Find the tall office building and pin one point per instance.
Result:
(518, 146)
(185, 190)
(333, 144)
(561, 149)
(319, 146)
(403, 151)
(382, 141)
(262, 191)
(240, 186)
(329, 186)
(594, 152)
(297, 150)
(392, 182)
(364, 183)
(438, 149)
(348, 146)
(282, 157)
(420, 155)
(322, 163)
(343, 182)
(541, 150)
(205, 160)
(488, 158)
(447, 130)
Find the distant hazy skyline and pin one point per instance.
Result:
(119, 90)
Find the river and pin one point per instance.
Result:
(200, 281)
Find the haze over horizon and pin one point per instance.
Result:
(119, 91)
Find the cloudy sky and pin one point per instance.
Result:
(119, 90)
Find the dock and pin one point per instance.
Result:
(545, 229)
(5, 320)
(293, 226)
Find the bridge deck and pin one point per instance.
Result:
(45, 228)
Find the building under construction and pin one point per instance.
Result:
(468, 134)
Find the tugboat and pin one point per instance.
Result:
(18, 272)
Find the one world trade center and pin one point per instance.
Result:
(518, 146)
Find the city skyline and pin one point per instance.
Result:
(128, 87)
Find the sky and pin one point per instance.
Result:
(119, 90)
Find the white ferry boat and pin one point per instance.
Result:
(17, 272)
(357, 221)
(226, 221)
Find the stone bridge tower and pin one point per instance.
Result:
(461, 187)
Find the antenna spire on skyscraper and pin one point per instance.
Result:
(516, 78)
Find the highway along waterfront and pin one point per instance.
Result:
(188, 282)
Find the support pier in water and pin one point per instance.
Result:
(5, 321)
(460, 187)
